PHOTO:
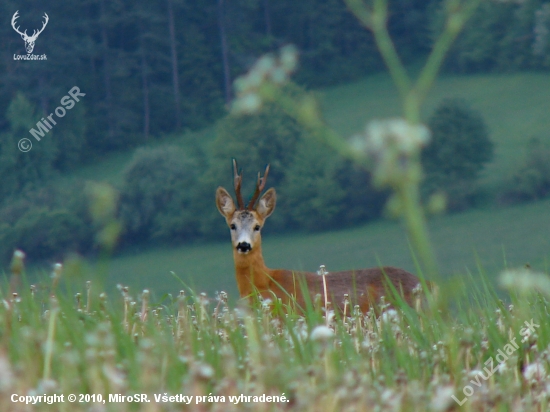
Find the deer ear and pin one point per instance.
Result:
(224, 202)
(266, 205)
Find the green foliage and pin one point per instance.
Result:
(70, 138)
(122, 55)
(322, 190)
(19, 170)
(458, 151)
(532, 180)
(46, 234)
(269, 136)
(157, 195)
(310, 194)
(361, 202)
(46, 222)
(499, 36)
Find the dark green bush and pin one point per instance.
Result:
(458, 151)
(46, 222)
(361, 202)
(532, 179)
(158, 195)
(323, 191)
(310, 196)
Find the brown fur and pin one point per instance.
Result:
(364, 287)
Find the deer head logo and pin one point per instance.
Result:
(29, 40)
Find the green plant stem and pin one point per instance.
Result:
(413, 97)
(387, 48)
(453, 26)
(415, 223)
(49, 344)
(376, 22)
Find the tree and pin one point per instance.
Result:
(459, 150)
(19, 169)
(157, 195)
(310, 194)
(46, 222)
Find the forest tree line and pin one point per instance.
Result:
(150, 68)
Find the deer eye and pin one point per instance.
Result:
(232, 226)
(257, 227)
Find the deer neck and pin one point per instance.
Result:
(251, 271)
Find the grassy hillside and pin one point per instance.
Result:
(515, 107)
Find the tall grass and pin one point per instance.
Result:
(197, 346)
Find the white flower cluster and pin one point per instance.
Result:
(525, 280)
(390, 144)
(268, 68)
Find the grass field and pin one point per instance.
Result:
(121, 352)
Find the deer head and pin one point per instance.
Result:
(246, 223)
(29, 40)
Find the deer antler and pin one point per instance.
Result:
(35, 33)
(237, 180)
(260, 184)
(13, 21)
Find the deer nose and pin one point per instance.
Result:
(244, 247)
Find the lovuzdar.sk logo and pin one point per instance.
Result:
(29, 40)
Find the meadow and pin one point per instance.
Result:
(86, 350)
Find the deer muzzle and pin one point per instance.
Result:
(244, 247)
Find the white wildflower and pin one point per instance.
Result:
(502, 367)
(321, 333)
(389, 316)
(263, 66)
(205, 371)
(322, 271)
(289, 58)
(397, 133)
(442, 399)
(534, 372)
(391, 145)
(525, 280)
(19, 254)
(247, 103)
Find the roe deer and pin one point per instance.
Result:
(364, 286)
